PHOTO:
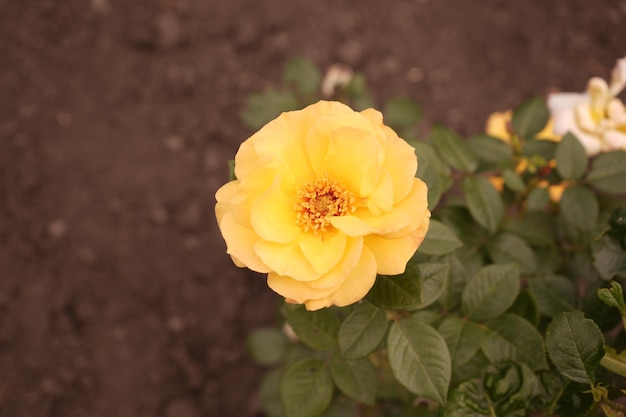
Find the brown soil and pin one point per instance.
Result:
(116, 121)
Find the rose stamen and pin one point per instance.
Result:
(319, 201)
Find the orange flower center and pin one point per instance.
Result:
(320, 200)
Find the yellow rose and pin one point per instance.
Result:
(325, 198)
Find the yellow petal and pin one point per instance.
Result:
(273, 216)
(323, 251)
(240, 242)
(392, 255)
(401, 163)
(356, 285)
(381, 199)
(497, 125)
(223, 196)
(403, 218)
(294, 290)
(286, 259)
(340, 147)
(350, 257)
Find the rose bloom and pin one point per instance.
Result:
(597, 118)
(325, 198)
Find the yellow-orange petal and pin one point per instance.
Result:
(356, 285)
(240, 242)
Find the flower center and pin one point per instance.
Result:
(320, 200)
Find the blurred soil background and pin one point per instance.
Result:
(116, 121)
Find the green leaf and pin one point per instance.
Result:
(439, 240)
(553, 293)
(490, 292)
(435, 279)
(534, 149)
(510, 337)
(342, 407)
(454, 150)
(580, 208)
(461, 221)
(398, 292)
(430, 169)
(262, 107)
(402, 114)
(317, 329)
(304, 75)
(463, 265)
(608, 172)
(484, 202)
(525, 306)
(267, 346)
(269, 393)
(359, 93)
(538, 199)
(490, 149)
(513, 181)
(419, 359)
(355, 378)
(530, 117)
(613, 297)
(509, 248)
(571, 158)
(536, 228)
(362, 331)
(575, 345)
(307, 388)
(463, 338)
(609, 259)
(508, 389)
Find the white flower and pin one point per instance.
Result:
(597, 117)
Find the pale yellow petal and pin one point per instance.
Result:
(392, 255)
(615, 140)
(323, 251)
(356, 285)
(286, 259)
(240, 242)
(598, 96)
(273, 216)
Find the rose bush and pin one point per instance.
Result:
(324, 199)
